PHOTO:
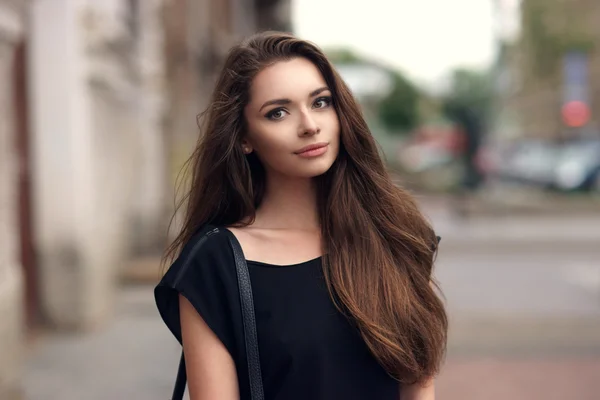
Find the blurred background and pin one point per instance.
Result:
(488, 110)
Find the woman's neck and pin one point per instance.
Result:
(288, 204)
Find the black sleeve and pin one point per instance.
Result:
(203, 273)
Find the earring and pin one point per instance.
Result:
(247, 150)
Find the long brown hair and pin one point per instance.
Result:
(378, 248)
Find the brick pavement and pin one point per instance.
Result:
(518, 379)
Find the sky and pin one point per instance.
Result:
(423, 38)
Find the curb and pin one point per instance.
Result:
(495, 244)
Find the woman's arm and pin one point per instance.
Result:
(424, 391)
(210, 369)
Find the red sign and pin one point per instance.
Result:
(575, 114)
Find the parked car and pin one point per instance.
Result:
(574, 166)
(578, 167)
(528, 162)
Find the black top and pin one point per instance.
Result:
(308, 349)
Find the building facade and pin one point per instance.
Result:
(99, 111)
(87, 148)
(533, 79)
(197, 37)
(12, 281)
(80, 139)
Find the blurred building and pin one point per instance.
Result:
(198, 35)
(94, 72)
(99, 111)
(549, 67)
(506, 30)
(12, 13)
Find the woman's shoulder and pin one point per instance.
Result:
(206, 240)
(204, 273)
(207, 254)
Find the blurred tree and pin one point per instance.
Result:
(471, 91)
(342, 55)
(399, 111)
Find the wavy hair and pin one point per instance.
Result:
(378, 248)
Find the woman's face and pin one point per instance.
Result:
(292, 124)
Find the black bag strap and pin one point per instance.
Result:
(249, 323)
(249, 319)
(181, 380)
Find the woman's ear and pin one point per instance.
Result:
(246, 146)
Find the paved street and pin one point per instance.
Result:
(524, 301)
(525, 324)
(135, 358)
(542, 283)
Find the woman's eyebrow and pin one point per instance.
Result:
(317, 91)
(282, 102)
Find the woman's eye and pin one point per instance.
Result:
(276, 114)
(322, 102)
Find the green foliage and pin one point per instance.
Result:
(399, 111)
(471, 93)
(343, 56)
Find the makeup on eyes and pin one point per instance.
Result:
(271, 113)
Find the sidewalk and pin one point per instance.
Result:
(135, 358)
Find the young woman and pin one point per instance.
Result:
(340, 258)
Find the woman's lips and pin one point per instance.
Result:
(313, 150)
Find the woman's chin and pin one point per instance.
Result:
(312, 171)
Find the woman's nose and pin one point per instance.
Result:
(308, 126)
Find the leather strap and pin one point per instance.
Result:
(181, 380)
(249, 319)
(249, 323)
